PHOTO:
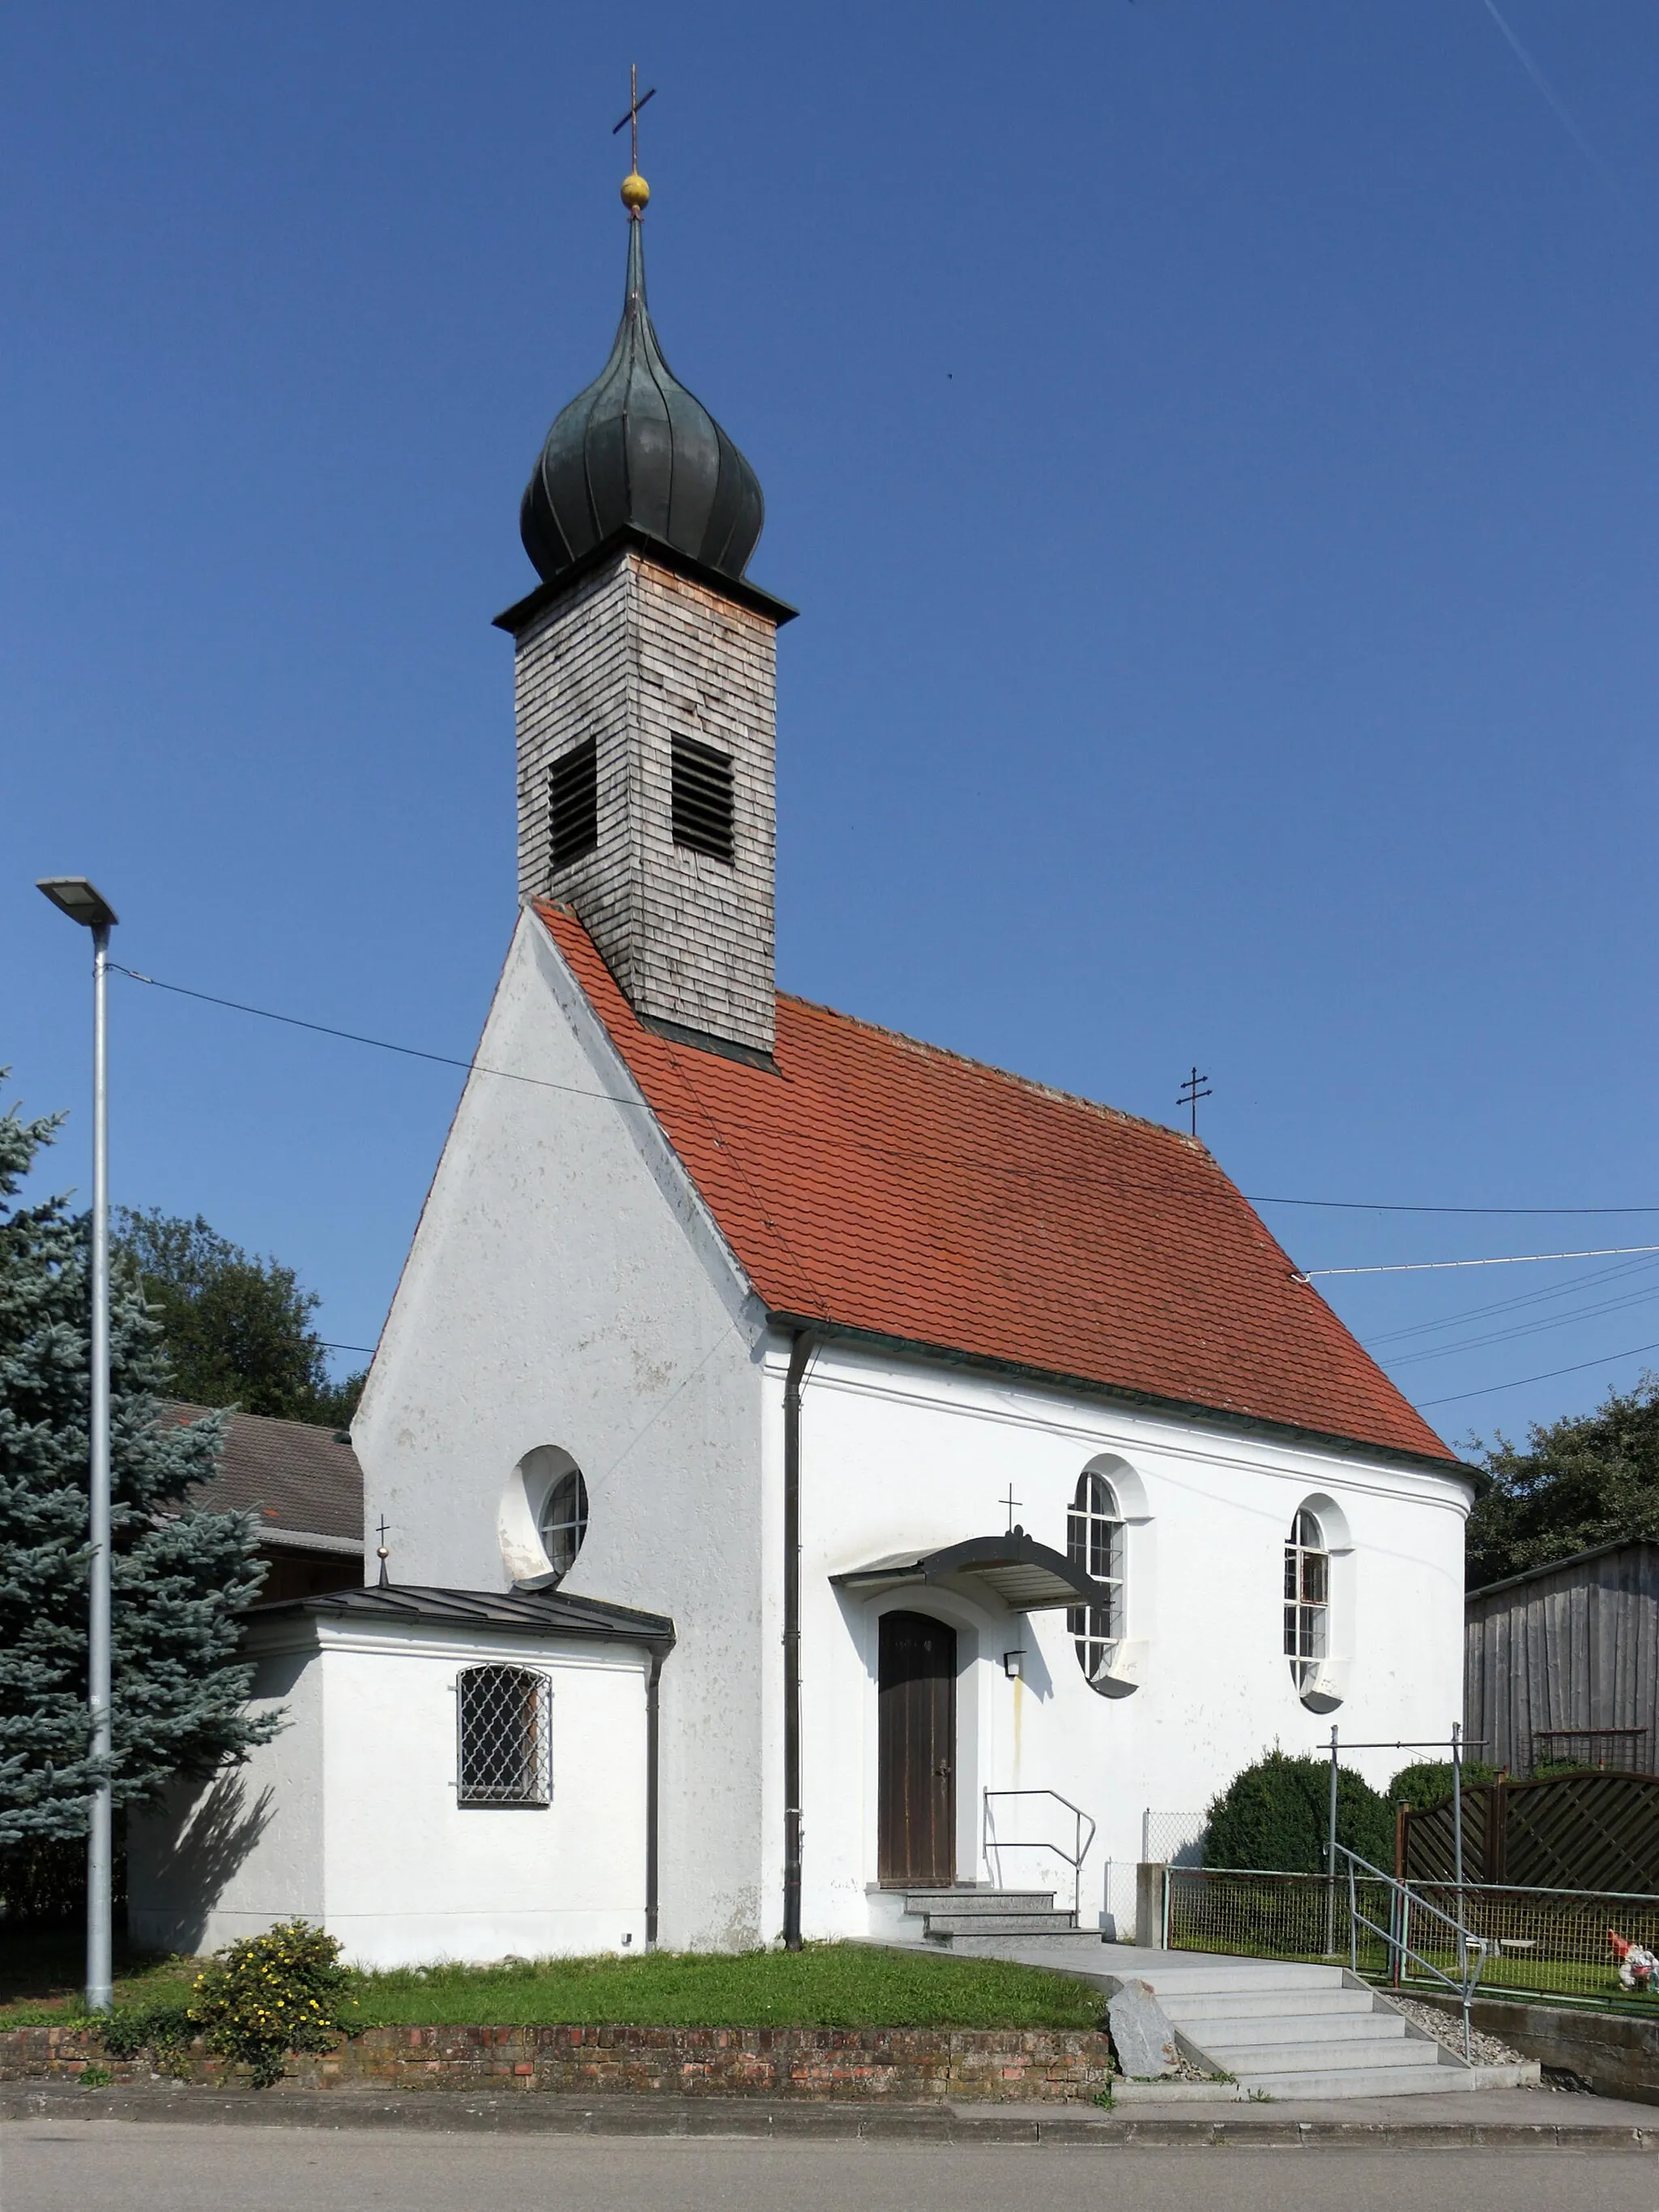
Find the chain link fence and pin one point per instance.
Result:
(1166, 1839)
(1538, 1942)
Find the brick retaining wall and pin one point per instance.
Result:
(900, 2065)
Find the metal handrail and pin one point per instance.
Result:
(989, 1841)
(1471, 1949)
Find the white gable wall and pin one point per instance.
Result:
(565, 1288)
(898, 1453)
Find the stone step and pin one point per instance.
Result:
(1224, 1976)
(979, 1900)
(1262, 2061)
(1362, 2082)
(942, 1926)
(1209, 2005)
(1267, 2033)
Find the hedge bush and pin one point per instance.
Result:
(1276, 1816)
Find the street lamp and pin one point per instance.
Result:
(75, 896)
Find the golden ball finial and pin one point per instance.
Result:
(635, 192)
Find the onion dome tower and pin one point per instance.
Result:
(645, 691)
(637, 451)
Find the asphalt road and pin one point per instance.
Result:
(58, 2165)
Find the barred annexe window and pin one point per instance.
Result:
(1094, 1542)
(504, 1731)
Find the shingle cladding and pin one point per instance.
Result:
(889, 1186)
(632, 656)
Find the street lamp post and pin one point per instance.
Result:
(75, 896)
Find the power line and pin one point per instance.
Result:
(1525, 1328)
(1521, 1380)
(1507, 1260)
(614, 1099)
(380, 1044)
(1512, 1305)
(1384, 1206)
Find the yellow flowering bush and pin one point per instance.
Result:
(265, 1995)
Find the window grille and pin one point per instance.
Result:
(563, 1523)
(504, 1724)
(1307, 1599)
(572, 798)
(702, 799)
(1094, 1542)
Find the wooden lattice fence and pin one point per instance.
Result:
(1594, 1831)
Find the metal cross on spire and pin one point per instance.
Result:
(383, 1554)
(631, 120)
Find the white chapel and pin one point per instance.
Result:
(819, 1470)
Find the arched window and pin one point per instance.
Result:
(1094, 1541)
(504, 1731)
(562, 1522)
(1307, 1599)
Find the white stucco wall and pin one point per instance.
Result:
(565, 1288)
(366, 1836)
(896, 1455)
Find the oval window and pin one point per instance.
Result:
(562, 1522)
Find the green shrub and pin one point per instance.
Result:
(165, 2031)
(1276, 1816)
(1430, 1782)
(267, 1995)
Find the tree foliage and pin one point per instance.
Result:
(1275, 1816)
(237, 1330)
(181, 1577)
(1590, 1478)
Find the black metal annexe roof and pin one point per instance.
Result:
(531, 1613)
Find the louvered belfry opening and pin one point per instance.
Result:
(573, 799)
(702, 799)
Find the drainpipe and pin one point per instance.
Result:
(653, 1790)
(800, 1353)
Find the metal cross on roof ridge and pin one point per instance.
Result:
(1193, 1087)
(1010, 1501)
(634, 104)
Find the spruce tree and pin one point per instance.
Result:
(181, 1577)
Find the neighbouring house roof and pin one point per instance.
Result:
(541, 1613)
(1572, 1563)
(889, 1187)
(303, 1481)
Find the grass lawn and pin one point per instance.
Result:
(826, 1985)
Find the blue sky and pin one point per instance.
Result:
(1213, 444)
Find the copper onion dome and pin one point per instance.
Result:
(636, 450)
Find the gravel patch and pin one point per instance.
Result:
(1446, 2027)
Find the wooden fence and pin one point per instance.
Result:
(1593, 1830)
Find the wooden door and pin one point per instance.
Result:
(916, 1739)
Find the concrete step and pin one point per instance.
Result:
(1274, 2028)
(941, 1926)
(1261, 2061)
(1348, 2031)
(1222, 1978)
(979, 1900)
(1362, 2082)
(1266, 2004)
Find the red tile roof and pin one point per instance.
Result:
(890, 1186)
